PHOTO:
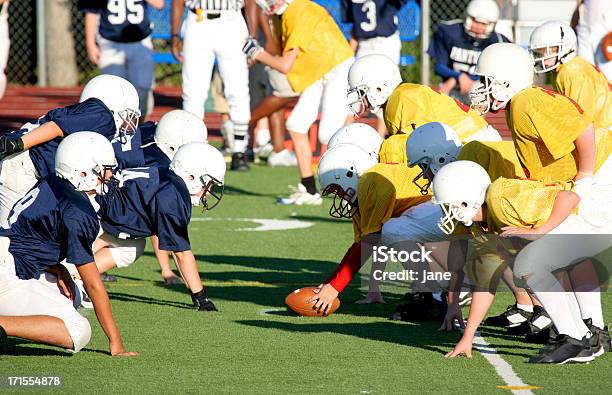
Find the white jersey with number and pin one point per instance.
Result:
(214, 5)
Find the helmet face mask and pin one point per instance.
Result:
(213, 191)
(425, 177)
(345, 202)
(129, 119)
(358, 101)
(489, 95)
(552, 44)
(545, 58)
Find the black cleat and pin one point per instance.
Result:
(566, 350)
(600, 341)
(3, 338)
(108, 278)
(539, 321)
(420, 306)
(513, 316)
(202, 302)
(239, 162)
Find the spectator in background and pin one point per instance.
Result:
(594, 23)
(118, 41)
(456, 46)
(374, 32)
(4, 43)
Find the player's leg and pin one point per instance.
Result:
(110, 252)
(112, 57)
(334, 110)
(235, 75)
(197, 65)
(164, 263)
(17, 177)
(140, 71)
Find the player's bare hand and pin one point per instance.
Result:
(525, 233)
(463, 347)
(453, 312)
(372, 298)
(93, 53)
(117, 350)
(65, 283)
(177, 48)
(323, 298)
(448, 86)
(465, 83)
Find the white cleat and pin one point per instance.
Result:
(285, 158)
(300, 197)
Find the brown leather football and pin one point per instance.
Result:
(606, 46)
(297, 301)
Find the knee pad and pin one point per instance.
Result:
(127, 253)
(79, 330)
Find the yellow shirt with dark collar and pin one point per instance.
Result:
(413, 105)
(587, 86)
(308, 27)
(544, 126)
(385, 191)
(498, 158)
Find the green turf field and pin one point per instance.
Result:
(241, 349)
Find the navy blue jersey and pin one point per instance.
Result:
(371, 18)
(91, 115)
(153, 156)
(51, 223)
(455, 51)
(122, 21)
(148, 201)
(130, 155)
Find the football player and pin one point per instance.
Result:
(157, 201)
(108, 105)
(316, 58)
(553, 48)
(555, 139)
(543, 213)
(56, 221)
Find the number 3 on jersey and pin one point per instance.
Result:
(369, 8)
(120, 10)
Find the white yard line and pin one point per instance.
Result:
(503, 368)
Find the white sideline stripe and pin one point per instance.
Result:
(266, 311)
(503, 368)
(265, 223)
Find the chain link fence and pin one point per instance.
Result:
(23, 63)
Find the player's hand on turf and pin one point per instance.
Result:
(93, 53)
(323, 298)
(177, 48)
(371, 298)
(251, 48)
(463, 347)
(453, 312)
(525, 233)
(117, 350)
(465, 83)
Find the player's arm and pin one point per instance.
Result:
(587, 150)
(11, 144)
(96, 291)
(176, 17)
(481, 303)
(282, 63)
(457, 253)
(91, 29)
(159, 4)
(252, 17)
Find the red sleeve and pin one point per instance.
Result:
(346, 270)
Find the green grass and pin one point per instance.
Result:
(357, 350)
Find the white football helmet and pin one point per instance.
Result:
(176, 128)
(505, 70)
(271, 7)
(372, 79)
(431, 146)
(483, 11)
(339, 171)
(360, 134)
(121, 98)
(202, 167)
(460, 189)
(82, 158)
(551, 44)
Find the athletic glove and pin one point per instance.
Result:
(251, 48)
(9, 145)
(201, 301)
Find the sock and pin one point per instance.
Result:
(309, 184)
(590, 307)
(240, 137)
(525, 307)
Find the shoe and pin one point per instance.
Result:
(300, 197)
(600, 341)
(539, 321)
(107, 278)
(513, 316)
(419, 307)
(3, 339)
(264, 151)
(565, 350)
(546, 336)
(239, 162)
(285, 158)
(81, 298)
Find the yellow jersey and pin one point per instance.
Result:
(385, 191)
(544, 125)
(588, 87)
(413, 105)
(498, 158)
(393, 149)
(524, 203)
(308, 27)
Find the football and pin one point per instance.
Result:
(298, 302)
